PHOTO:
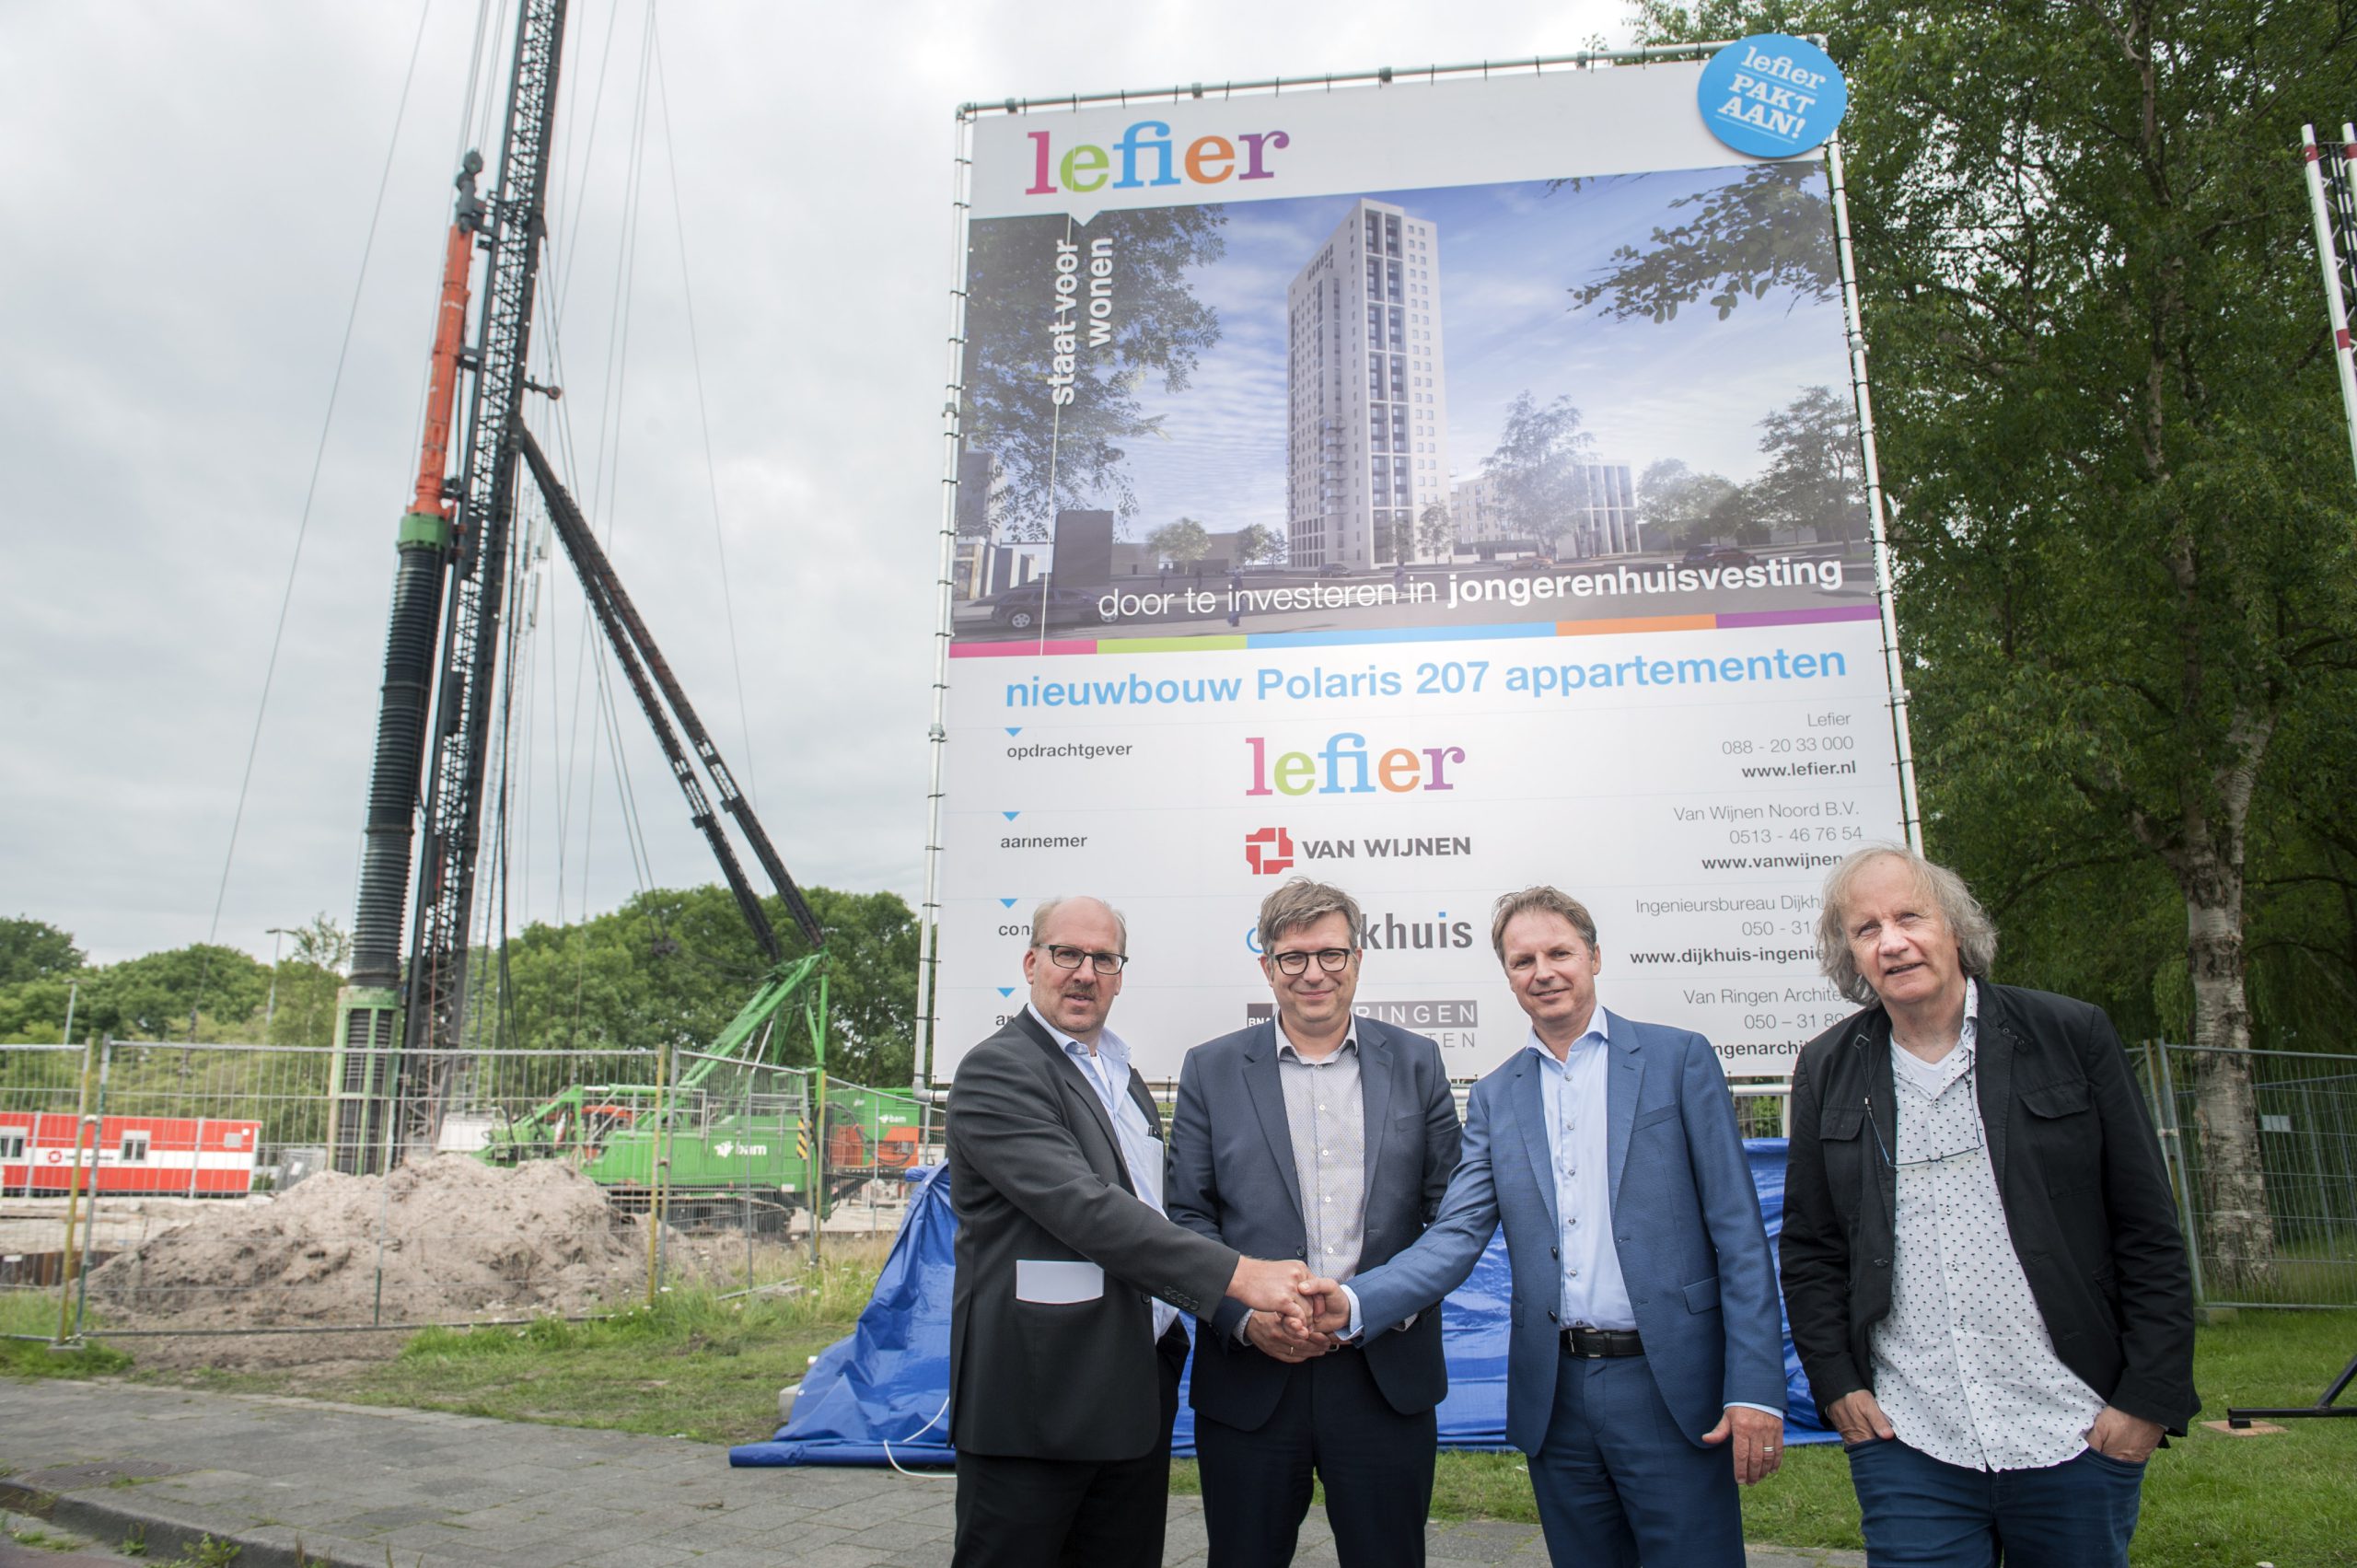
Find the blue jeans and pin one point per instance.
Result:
(1921, 1513)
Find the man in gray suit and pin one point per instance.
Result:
(1330, 1138)
(1063, 1358)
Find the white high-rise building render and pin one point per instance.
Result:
(1480, 515)
(1369, 400)
(1605, 521)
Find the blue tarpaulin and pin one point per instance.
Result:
(882, 1394)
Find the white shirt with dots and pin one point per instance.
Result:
(1964, 1366)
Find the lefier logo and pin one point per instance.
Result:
(1268, 851)
(1145, 155)
(1344, 764)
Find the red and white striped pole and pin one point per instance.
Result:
(2344, 353)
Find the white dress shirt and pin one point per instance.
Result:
(1963, 1365)
(1107, 1068)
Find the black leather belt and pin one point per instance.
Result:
(1591, 1344)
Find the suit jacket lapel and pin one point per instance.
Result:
(1267, 1094)
(1376, 1061)
(1624, 1083)
(1143, 1098)
(1528, 1099)
(1873, 1036)
(1077, 1088)
(1994, 1060)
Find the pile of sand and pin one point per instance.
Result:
(459, 1240)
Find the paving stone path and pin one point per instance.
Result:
(347, 1485)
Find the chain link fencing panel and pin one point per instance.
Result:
(197, 1186)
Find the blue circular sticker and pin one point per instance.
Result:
(1771, 95)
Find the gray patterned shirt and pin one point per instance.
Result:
(1963, 1365)
(1326, 1114)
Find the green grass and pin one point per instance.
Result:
(707, 1368)
(35, 1312)
(43, 1540)
(2211, 1500)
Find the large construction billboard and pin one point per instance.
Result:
(1433, 487)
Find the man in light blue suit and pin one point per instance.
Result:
(1645, 1337)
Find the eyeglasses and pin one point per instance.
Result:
(1980, 1133)
(1070, 959)
(1333, 961)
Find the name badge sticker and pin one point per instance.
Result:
(1773, 95)
(1057, 1281)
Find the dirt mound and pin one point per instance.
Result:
(459, 1239)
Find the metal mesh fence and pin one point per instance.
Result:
(2287, 1118)
(191, 1189)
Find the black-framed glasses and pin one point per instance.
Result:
(1980, 1133)
(1333, 961)
(1070, 959)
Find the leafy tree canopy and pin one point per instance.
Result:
(1256, 542)
(1772, 229)
(676, 965)
(1678, 506)
(2125, 526)
(1181, 543)
(1538, 466)
(34, 949)
(1436, 530)
(153, 997)
(1074, 454)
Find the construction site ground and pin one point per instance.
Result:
(555, 1444)
(344, 1484)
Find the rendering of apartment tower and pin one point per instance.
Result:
(1479, 514)
(1603, 519)
(1605, 522)
(1369, 400)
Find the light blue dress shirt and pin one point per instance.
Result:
(1574, 1093)
(1573, 1090)
(1107, 1068)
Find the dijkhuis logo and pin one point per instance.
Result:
(1268, 851)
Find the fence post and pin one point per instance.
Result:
(2314, 1124)
(818, 1194)
(2173, 1150)
(745, 1120)
(82, 1127)
(659, 1152)
(82, 1281)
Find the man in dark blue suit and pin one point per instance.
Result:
(1644, 1340)
(1330, 1137)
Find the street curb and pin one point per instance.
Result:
(108, 1523)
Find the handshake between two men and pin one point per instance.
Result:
(1294, 1315)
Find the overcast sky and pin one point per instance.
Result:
(187, 191)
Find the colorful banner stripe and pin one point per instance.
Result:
(1728, 620)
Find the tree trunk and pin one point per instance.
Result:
(2238, 1237)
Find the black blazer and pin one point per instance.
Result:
(1036, 1173)
(2079, 1172)
(1233, 1179)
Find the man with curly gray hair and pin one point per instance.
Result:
(1980, 1259)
